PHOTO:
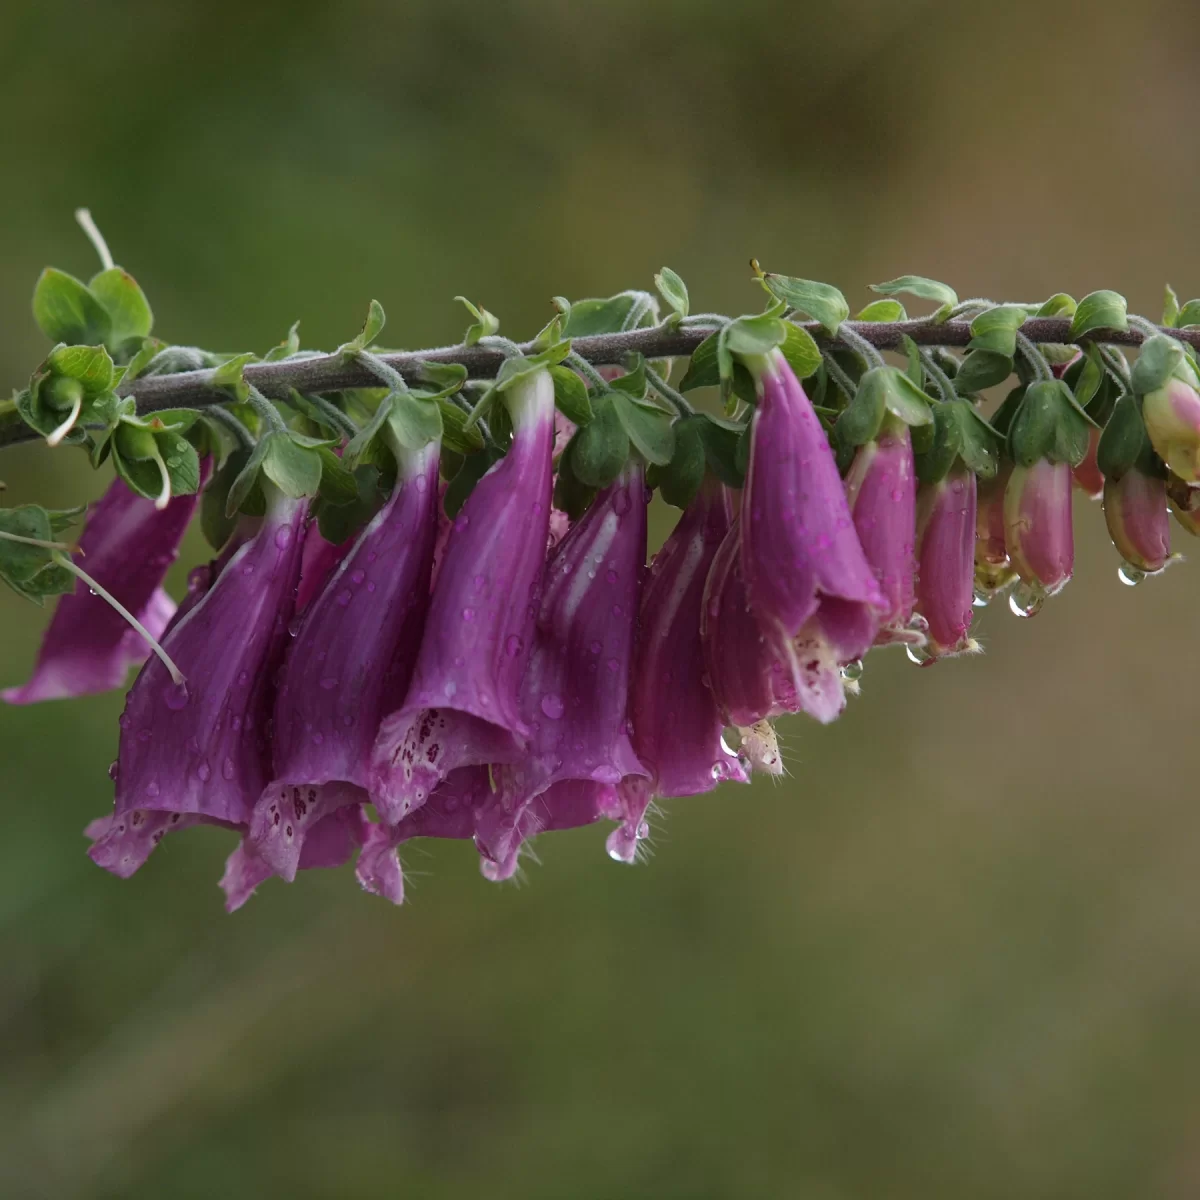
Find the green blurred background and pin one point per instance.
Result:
(955, 954)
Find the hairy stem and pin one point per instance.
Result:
(330, 372)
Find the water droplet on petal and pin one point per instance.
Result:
(1130, 575)
(227, 769)
(552, 705)
(283, 537)
(329, 683)
(1025, 601)
(918, 655)
(357, 576)
(468, 614)
(176, 696)
(113, 769)
(203, 772)
(152, 789)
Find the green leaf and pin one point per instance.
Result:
(571, 395)
(925, 289)
(633, 382)
(141, 359)
(128, 310)
(1091, 375)
(904, 399)
(456, 437)
(995, 329)
(1099, 310)
(1170, 306)
(801, 351)
(485, 324)
(723, 450)
(215, 522)
(1189, 315)
(649, 428)
(19, 562)
(1161, 356)
(90, 365)
(448, 378)
(934, 462)
(820, 301)
(246, 481)
(859, 422)
(183, 464)
(463, 484)
(67, 312)
(357, 447)
(1059, 305)
(338, 522)
(289, 346)
(415, 422)
(914, 368)
(673, 290)
(228, 374)
(982, 369)
(294, 469)
(980, 445)
(586, 318)
(883, 310)
(1048, 425)
(372, 328)
(704, 371)
(338, 484)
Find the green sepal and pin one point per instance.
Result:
(982, 369)
(749, 337)
(130, 318)
(1086, 377)
(905, 399)
(704, 371)
(820, 301)
(650, 428)
(456, 437)
(883, 311)
(725, 444)
(474, 468)
(680, 479)
(69, 372)
(294, 468)
(142, 358)
(598, 451)
(338, 485)
(372, 328)
(484, 325)
(216, 521)
(995, 329)
(1170, 316)
(447, 378)
(674, 291)
(802, 353)
(414, 420)
(1049, 424)
(30, 570)
(571, 395)
(1124, 441)
(914, 368)
(571, 495)
(357, 447)
(338, 522)
(860, 420)
(1099, 310)
(925, 289)
(66, 311)
(138, 444)
(959, 432)
(1160, 358)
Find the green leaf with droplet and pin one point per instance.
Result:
(649, 428)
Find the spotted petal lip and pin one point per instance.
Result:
(203, 748)
(462, 706)
(127, 544)
(349, 665)
(575, 693)
(800, 549)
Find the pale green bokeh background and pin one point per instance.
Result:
(955, 954)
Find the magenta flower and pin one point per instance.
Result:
(756, 673)
(349, 665)
(1135, 510)
(1037, 524)
(881, 491)
(575, 692)
(946, 560)
(677, 724)
(462, 707)
(127, 546)
(201, 749)
(331, 842)
(800, 552)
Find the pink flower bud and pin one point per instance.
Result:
(946, 560)
(1037, 525)
(993, 570)
(1087, 475)
(1172, 416)
(1135, 509)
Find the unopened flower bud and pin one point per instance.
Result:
(946, 560)
(1172, 416)
(1135, 509)
(993, 570)
(1037, 525)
